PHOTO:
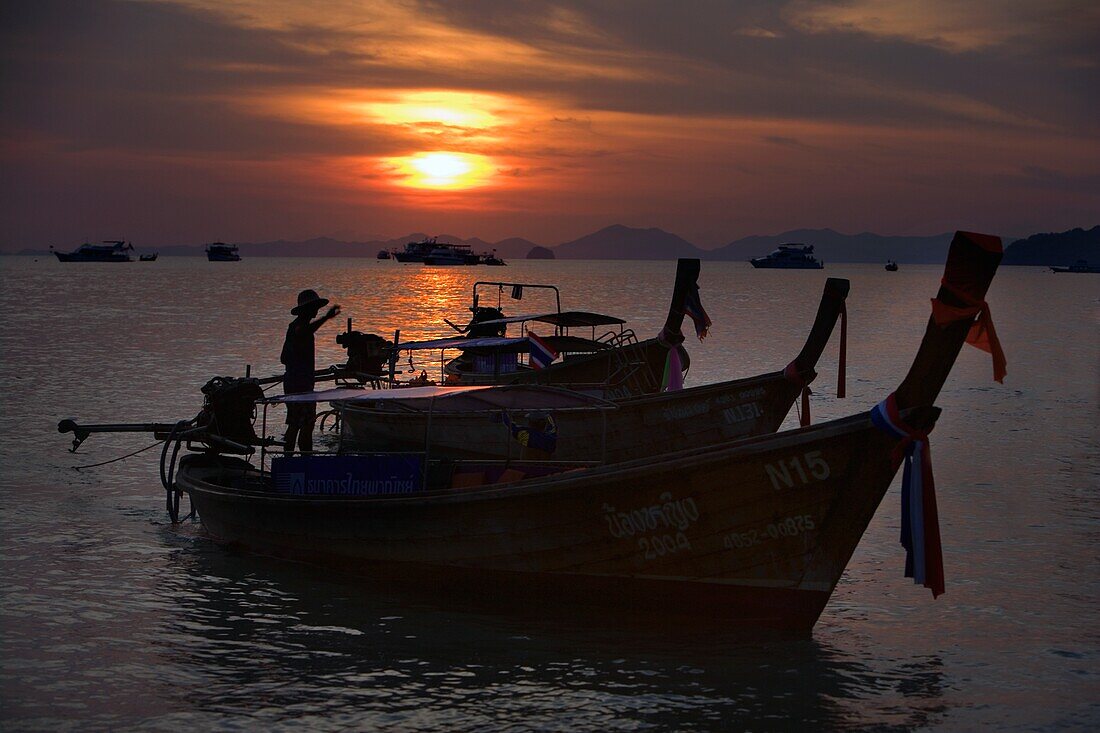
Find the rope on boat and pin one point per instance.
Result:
(167, 477)
(120, 458)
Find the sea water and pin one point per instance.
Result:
(111, 617)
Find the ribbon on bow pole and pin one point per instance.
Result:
(672, 379)
(920, 526)
(841, 378)
(791, 373)
(693, 309)
(982, 335)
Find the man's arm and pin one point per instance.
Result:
(332, 313)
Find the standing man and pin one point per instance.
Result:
(297, 356)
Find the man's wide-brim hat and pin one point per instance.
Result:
(308, 300)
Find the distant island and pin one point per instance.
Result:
(1063, 248)
(619, 242)
(540, 253)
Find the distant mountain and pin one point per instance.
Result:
(832, 246)
(618, 242)
(540, 253)
(1062, 248)
(317, 247)
(515, 248)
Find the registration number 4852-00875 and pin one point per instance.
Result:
(803, 469)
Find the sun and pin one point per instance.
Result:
(441, 170)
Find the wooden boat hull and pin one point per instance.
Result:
(759, 530)
(639, 426)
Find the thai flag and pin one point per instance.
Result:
(541, 353)
(693, 309)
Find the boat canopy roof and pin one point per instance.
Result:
(460, 342)
(457, 399)
(502, 344)
(565, 319)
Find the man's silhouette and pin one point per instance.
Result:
(297, 356)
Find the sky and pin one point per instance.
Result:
(189, 121)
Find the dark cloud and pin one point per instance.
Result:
(160, 99)
(710, 58)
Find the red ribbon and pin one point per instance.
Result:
(982, 335)
(791, 373)
(840, 379)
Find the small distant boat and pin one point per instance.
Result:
(109, 251)
(492, 260)
(148, 258)
(1079, 266)
(790, 256)
(891, 266)
(222, 252)
(383, 254)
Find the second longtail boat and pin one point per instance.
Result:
(633, 427)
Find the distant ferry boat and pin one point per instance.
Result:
(416, 251)
(451, 254)
(222, 252)
(1079, 266)
(109, 251)
(431, 252)
(790, 257)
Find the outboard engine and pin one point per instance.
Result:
(476, 331)
(229, 409)
(368, 353)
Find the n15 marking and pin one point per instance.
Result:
(808, 467)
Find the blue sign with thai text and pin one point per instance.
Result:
(344, 475)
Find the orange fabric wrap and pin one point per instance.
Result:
(982, 335)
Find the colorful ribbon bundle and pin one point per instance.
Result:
(673, 377)
(982, 335)
(920, 527)
(693, 309)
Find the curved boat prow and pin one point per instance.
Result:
(831, 308)
(685, 301)
(971, 264)
(687, 278)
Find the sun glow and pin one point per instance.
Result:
(442, 170)
(453, 109)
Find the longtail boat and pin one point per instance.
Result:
(641, 425)
(616, 362)
(755, 531)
